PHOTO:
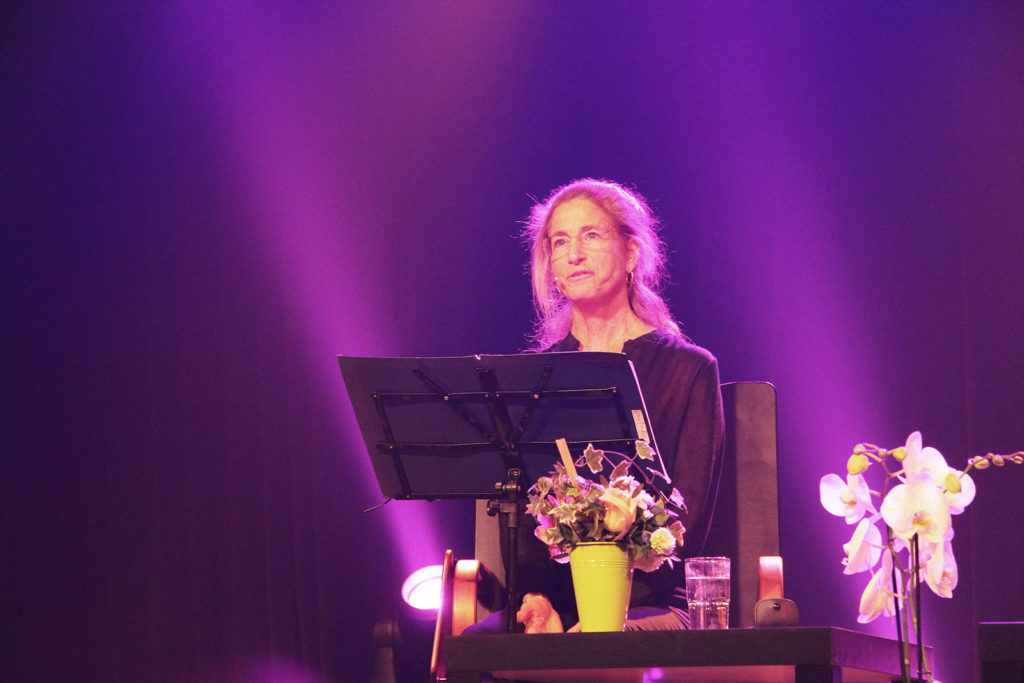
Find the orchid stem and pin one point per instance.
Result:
(900, 606)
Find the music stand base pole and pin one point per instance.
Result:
(509, 509)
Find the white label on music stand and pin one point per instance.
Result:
(641, 426)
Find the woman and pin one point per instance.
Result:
(597, 266)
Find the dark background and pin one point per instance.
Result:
(204, 204)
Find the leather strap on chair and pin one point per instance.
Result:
(467, 573)
(769, 578)
(772, 609)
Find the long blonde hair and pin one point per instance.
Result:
(635, 221)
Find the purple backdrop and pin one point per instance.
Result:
(205, 204)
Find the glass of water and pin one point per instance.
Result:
(707, 592)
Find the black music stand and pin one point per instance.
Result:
(484, 427)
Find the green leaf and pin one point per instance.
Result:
(594, 458)
(620, 470)
(643, 450)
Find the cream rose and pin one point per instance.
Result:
(619, 511)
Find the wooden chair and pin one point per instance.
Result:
(744, 525)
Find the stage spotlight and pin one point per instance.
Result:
(422, 589)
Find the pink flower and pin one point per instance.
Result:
(544, 523)
(649, 562)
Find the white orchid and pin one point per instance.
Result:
(957, 486)
(940, 570)
(850, 499)
(877, 599)
(919, 458)
(864, 548)
(919, 496)
(958, 489)
(917, 508)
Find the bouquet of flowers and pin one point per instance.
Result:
(635, 513)
(920, 493)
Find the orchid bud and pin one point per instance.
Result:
(899, 453)
(998, 461)
(981, 463)
(1018, 459)
(953, 483)
(857, 464)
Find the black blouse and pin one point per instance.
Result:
(680, 385)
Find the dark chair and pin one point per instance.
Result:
(745, 525)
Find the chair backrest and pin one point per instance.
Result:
(745, 522)
(745, 525)
(487, 547)
(487, 541)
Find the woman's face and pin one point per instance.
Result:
(589, 258)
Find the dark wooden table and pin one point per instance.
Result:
(1001, 651)
(762, 655)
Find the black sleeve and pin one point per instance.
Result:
(699, 452)
(686, 412)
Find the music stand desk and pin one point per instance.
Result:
(750, 655)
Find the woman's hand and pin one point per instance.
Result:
(538, 615)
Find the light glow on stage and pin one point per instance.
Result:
(422, 589)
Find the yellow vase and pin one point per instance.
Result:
(602, 577)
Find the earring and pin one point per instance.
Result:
(629, 278)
